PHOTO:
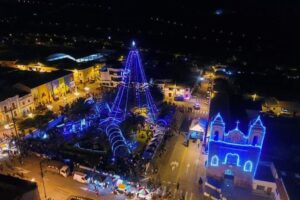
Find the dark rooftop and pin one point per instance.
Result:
(113, 64)
(29, 78)
(264, 173)
(7, 91)
(292, 186)
(67, 64)
(13, 188)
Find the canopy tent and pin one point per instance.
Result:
(195, 126)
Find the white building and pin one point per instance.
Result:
(110, 77)
(14, 104)
(175, 92)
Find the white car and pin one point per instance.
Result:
(80, 177)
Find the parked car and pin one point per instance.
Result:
(80, 177)
(58, 168)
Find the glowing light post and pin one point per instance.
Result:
(254, 96)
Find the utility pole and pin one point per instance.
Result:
(42, 175)
(13, 120)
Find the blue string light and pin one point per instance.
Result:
(134, 79)
(234, 147)
(214, 161)
(248, 166)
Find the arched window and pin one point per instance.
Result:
(255, 140)
(248, 166)
(214, 161)
(232, 159)
(216, 135)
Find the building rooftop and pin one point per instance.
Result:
(264, 173)
(114, 64)
(175, 85)
(7, 91)
(29, 78)
(67, 64)
(292, 185)
(14, 188)
(230, 191)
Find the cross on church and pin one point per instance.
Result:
(237, 124)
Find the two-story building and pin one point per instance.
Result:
(45, 87)
(111, 75)
(175, 92)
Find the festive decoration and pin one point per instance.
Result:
(234, 152)
(134, 89)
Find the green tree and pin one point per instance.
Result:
(79, 109)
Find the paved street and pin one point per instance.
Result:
(187, 172)
(57, 186)
(180, 164)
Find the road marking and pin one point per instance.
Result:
(191, 197)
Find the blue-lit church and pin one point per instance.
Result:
(233, 153)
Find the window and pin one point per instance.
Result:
(214, 161)
(28, 100)
(248, 166)
(13, 105)
(232, 159)
(216, 135)
(269, 190)
(260, 187)
(5, 108)
(23, 103)
(255, 140)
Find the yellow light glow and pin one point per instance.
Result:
(50, 107)
(254, 96)
(87, 89)
(6, 126)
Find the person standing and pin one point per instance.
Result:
(198, 143)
